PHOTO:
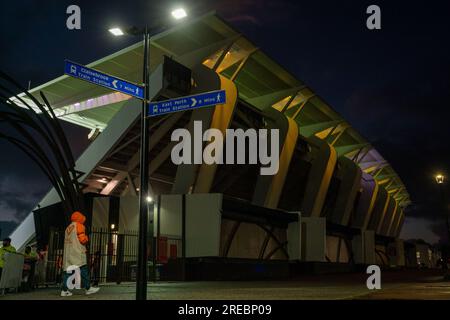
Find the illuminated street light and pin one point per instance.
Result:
(149, 199)
(445, 253)
(179, 13)
(116, 31)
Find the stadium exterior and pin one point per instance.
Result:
(334, 199)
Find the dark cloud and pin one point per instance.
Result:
(245, 18)
(406, 113)
(6, 227)
(19, 195)
(420, 228)
(433, 231)
(439, 228)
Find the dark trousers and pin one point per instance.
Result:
(29, 285)
(85, 278)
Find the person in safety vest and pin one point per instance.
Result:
(76, 271)
(7, 248)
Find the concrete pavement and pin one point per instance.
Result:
(418, 284)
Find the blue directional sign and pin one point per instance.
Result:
(102, 79)
(200, 100)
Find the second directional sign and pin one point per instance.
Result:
(102, 79)
(200, 100)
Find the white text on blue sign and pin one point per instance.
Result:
(87, 74)
(187, 103)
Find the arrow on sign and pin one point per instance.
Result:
(200, 100)
(102, 79)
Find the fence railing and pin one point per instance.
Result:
(112, 256)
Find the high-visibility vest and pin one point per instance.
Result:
(31, 256)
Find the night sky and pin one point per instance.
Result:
(392, 85)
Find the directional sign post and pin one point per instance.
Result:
(197, 101)
(102, 79)
(99, 78)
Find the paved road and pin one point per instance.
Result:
(395, 285)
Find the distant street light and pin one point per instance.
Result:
(440, 178)
(144, 200)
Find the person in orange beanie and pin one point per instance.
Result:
(74, 258)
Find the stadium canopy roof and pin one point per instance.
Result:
(260, 80)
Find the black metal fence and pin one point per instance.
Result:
(112, 256)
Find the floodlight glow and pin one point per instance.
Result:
(179, 13)
(116, 31)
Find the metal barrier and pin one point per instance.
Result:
(12, 271)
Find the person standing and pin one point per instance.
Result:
(7, 248)
(74, 257)
(29, 267)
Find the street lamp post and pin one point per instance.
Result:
(141, 272)
(144, 197)
(440, 181)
